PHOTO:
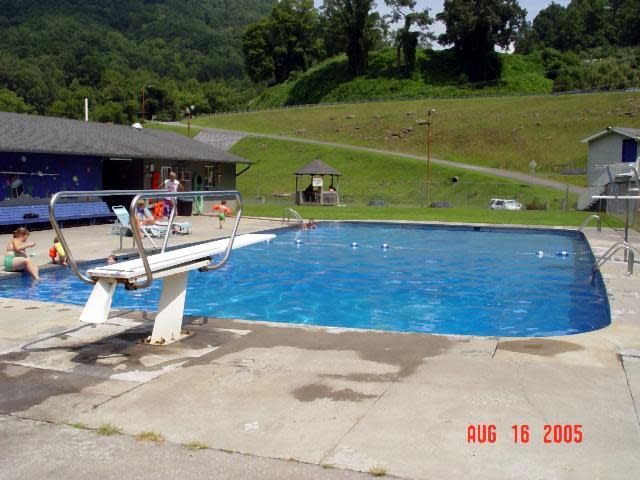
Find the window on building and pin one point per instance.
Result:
(629, 150)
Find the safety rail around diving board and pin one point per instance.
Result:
(172, 266)
(135, 227)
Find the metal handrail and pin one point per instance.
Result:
(588, 219)
(290, 212)
(135, 226)
(604, 258)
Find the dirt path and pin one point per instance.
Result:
(518, 176)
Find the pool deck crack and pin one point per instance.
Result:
(493, 354)
(633, 400)
(331, 450)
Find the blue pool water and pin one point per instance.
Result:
(485, 281)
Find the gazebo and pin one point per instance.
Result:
(316, 193)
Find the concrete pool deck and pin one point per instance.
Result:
(350, 399)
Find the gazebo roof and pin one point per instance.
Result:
(317, 167)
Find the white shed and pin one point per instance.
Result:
(613, 146)
(616, 148)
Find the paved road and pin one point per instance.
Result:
(518, 176)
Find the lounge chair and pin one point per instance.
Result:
(123, 225)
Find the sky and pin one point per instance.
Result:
(531, 6)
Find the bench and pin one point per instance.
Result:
(14, 215)
(174, 267)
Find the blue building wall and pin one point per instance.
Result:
(41, 175)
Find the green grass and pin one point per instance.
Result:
(378, 471)
(369, 176)
(150, 437)
(570, 218)
(107, 429)
(193, 446)
(174, 128)
(503, 132)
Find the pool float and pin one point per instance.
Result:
(53, 253)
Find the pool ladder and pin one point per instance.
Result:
(610, 253)
(290, 213)
(588, 219)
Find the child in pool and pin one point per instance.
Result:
(222, 211)
(62, 256)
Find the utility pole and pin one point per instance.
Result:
(433, 110)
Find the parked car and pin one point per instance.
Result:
(502, 204)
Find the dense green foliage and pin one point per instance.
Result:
(475, 27)
(437, 74)
(55, 52)
(596, 69)
(286, 40)
(584, 24)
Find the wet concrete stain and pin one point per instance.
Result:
(406, 352)
(33, 386)
(539, 346)
(318, 391)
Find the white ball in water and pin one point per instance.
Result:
(298, 241)
(540, 254)
(354, 244)
(384, 245)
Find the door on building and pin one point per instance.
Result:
(629, 150)
(122, 174)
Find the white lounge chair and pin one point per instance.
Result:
(124, 225)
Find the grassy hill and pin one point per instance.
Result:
(397, 181)
(437, 75)
(504, 132)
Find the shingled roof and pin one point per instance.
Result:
(316, 167)
(37, 134)
(632, 133)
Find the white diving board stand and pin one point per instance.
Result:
(174, 267)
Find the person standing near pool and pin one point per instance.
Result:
(15, 255)
(172, 184)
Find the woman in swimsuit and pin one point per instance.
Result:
(15, 255)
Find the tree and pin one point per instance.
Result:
(10, 102)
(285, 41)
(475, 27)
(406, 40)
(352, 22)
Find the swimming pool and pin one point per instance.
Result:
(432, 279)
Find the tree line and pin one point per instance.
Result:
(295, 35)
(54, 53)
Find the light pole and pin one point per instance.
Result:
(433, 110)
(142, 101)
(189, 111)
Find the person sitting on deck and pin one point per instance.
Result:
(143, 215)
(309, 194)
(15, 255)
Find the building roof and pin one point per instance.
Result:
(317, 167)
(37, 134)
(633, 133)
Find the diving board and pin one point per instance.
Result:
(174, 267)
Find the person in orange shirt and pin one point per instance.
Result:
(222, 211)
